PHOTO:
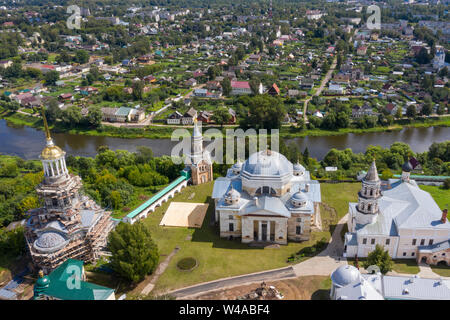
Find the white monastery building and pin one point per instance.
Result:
(403, 218)
(266, 199)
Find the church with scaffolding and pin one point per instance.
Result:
(69, 225)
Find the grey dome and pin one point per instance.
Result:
(49, 242)
(233, 194)
(267, 163)
(345, 275)
(298, 167)
(300, 197)
(237, 167)
(407, 167)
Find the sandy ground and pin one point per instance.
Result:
(184, 214)
(301, 288)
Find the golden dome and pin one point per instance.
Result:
(51, 152)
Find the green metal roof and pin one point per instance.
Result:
(59, 284)
(123, 111)
(156, 197)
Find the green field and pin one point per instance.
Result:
(441, 196)
(219, 258)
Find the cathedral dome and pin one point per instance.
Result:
(232, 196)
(299, 169)
(51, 153)
(345, 275)
(237, 167)
(299, 199)
(407, 167)
(267, 163)
(50, 242)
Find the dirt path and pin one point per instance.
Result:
(159, 271)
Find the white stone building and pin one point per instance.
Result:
(266, 199)
(401, 218)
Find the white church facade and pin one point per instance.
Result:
(266, 199)
(402, 218)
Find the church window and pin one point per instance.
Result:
(369, 207)
(414, 242)
(371, 193)
(231, 227)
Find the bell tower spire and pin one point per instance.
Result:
(368, 196)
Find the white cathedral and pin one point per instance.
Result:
(266, 199)
(401, 217)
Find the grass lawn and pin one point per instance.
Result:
(441, 270)
(441, 196)
(400, 265)
(338, 195)
(219, 258)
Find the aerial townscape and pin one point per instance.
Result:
(215, 150)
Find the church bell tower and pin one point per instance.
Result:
(367, 208)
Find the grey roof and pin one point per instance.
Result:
(87, 217)
(50, 242)
(416, 288)
(268, 206)
(404, 206)
(351, 239)
(359, 290)
(435, 247)
(344, 275)
(372, 174)
(267, 163)
(221, 186)
(407, 167)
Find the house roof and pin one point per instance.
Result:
(240, 84)
(59, 278)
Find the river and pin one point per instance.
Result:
(28, 142)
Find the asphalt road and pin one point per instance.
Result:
(278, 274)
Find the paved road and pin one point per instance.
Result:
(195, 290)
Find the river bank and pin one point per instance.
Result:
(165, 132)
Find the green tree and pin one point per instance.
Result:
(411, 111)
(51, 77)
(221, 116)
(71, 116)
(226, 86)
(381, 258)
(81, 56)
(94, 117)
(134, 254)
